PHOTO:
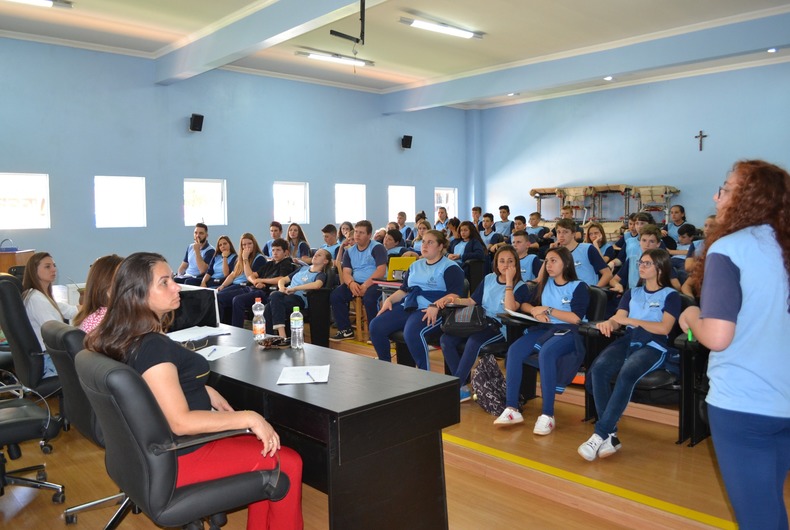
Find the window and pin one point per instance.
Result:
(24, 200)
(447, 197)
(120, 201)
(350, 203)
(400, 199)
(204, 202)
(291, 202)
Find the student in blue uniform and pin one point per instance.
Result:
(298, 247)
(275, 232)
(292, 291)
(628, 275)
(411, 308)
(559, 303)
(477, 214)
(590, 267)
(596, 236)
(441, 219)
(196, 259)
(406, 232)
(686, 235)
(221, 264)
(504, 226)
(677, 218)
(331, 243)
(648, 312)
(469, 245)
(422, 228)
(393, 242)
(744, 317)
(500, 290)
(251, 260)
(529, 264)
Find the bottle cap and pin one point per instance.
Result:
(296, 309)
(257, 301)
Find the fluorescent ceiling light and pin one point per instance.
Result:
(438, 27)
(45, 3)
(771, 50)
(608, 78)
(336, 58)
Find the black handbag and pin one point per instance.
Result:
(464, 321)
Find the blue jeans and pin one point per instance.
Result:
(630, 367)
(753, 452)
(415, 333)
(460, 364)
(278, 311)
(340, 298)
(551, 349)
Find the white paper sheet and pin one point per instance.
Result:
(196, 333)
(300, 375)
(212, 353)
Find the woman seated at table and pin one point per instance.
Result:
(292, 291)
(648, 312)
(559, 302)
(411, 308)
(97, 292)
(40, 273)
(221, 264)
(144, 294)
(468, 245)
(499, 290)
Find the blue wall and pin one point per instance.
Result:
(640, 135)
(74, 114)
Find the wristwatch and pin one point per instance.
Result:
(548, 311)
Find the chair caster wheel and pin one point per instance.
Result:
(59, 497)
(46, 449)
(71, 519)
(41, 475)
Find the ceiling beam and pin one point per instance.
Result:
(274, 23)
(688, 48)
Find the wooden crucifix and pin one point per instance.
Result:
(701, 136)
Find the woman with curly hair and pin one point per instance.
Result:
(743, 319)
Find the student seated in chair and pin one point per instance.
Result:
(648, 312)
(197, 258)
(362, 263)
(144, 294)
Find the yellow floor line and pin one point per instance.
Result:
(688, 513)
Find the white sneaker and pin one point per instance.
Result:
(589, 449)
(544, 425)
(610, 446)
(509, 417)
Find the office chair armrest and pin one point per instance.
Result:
(182, 442)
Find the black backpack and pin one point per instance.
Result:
(488, 385)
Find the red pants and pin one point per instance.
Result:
(239, 454)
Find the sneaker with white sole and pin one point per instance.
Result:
(465, 394)
(509, 417)
(343, 334)
(610, 446)
(544, 425)
(589, 449)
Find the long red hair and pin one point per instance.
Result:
(762, 196)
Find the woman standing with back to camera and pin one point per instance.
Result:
(743, 319)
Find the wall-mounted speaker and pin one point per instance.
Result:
(196, 123)
(405, 142)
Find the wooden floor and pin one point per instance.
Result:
(497, 478)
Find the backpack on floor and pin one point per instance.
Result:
(488, 385)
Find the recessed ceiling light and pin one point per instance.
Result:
(771, 50)
(608, 78)
(511, 94)
(45, 3)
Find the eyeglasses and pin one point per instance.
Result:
(722, 189)
(195, 345)
(644, 263)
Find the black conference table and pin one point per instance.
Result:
(370, 438)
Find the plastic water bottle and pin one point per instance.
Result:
(297, 329)
(258, 324)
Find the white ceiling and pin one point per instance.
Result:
(263, 37)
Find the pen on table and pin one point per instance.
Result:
(310, 376)
(209, 354)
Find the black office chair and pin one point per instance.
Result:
(63, 343)
(22, 420)
(140, 452)
(25, 348)
(18, 271)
